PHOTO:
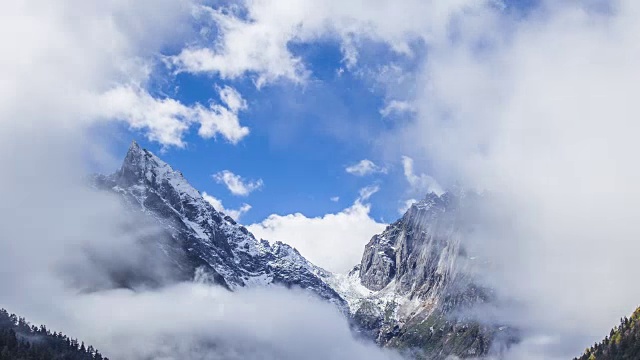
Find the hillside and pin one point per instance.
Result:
(23, 341)
(622, 343)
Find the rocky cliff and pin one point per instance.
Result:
(410, 291)
(414, 288)
(201, 241)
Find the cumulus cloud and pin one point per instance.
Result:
(108, 81)
(166, 120)
(254, 37)
(236, 184)
(217, 204)
(365, 167)
(332, 241)
(223, 120)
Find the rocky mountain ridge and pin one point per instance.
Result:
(412, 289)
(407, 292)
(207, 243)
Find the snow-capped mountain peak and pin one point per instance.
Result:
(214, 245)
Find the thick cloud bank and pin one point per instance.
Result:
(195, 321)
(543, 116)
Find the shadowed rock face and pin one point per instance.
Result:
(422, 284)
(199, 239)
(416, 251)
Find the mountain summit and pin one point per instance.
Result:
(412, 289)
(407, 292)
(211, 245)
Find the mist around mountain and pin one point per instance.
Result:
(172, 277)
(410, 292)
(146, 257)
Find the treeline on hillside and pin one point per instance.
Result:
(623, 342)
(20, 340)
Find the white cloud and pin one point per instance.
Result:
(335, 198)
(544, 118)
(365, 167)
(250, 324)
(236, 184)
(332, 241)
(422, 183)
(166, 120)
(255, 40)
(366, 192)
(90, 82)
(232, 98)
(396, 107)
(217, 204)
(406, 205)
(223, 120)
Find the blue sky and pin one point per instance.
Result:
(282, 98)
(302, 138)
(302, 135)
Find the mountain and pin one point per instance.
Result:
(20, 340)
(623, 342)
(410, 290)
(199, 241)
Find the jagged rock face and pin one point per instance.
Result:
(418, 283)
(203, 240)
(417, 251)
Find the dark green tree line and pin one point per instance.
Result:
(20, 340)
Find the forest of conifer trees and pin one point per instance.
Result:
(622, 343)
(20, 340)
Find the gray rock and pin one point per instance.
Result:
(420, 276)
(201, 240)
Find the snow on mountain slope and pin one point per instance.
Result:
(202, 240)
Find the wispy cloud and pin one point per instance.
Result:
(236, 184)
(256, 43)
(419, 183)
(396, 107)
(406, 205)
(217, 204)
(365, 167)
